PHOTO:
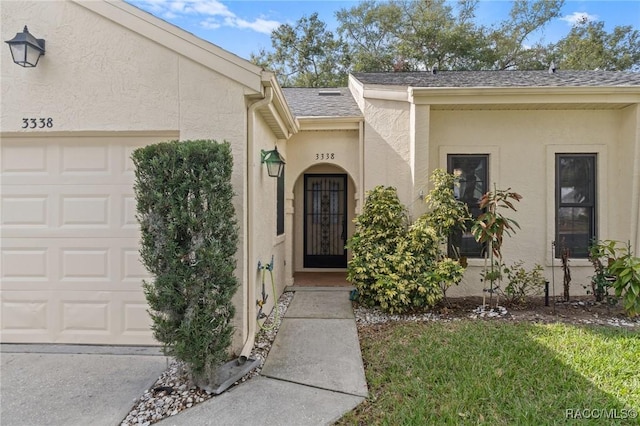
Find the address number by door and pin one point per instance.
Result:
(37, 123)
(326, 156)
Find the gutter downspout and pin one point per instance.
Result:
(249, 307)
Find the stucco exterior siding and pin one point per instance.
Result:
(265, 243)
(387, 148)
(522, 146)
(112, 70)
(305, 150)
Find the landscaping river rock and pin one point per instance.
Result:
(173, 392)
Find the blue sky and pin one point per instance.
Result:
(243, 26)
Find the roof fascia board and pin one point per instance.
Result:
(357, 90)
(330, 123)
(387, 93)
(279, 109)
(523, 95)
(178, 40)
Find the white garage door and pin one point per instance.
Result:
(70, 265)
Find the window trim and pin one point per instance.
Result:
(487, 158)
(601, 184)
(592, 204)
(494, 171)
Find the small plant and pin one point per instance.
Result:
(624, 267)
(522, 283)
(565, 253)
(601, 281)
(490, 228)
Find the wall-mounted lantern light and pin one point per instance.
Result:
(275, 163)
(26, 49)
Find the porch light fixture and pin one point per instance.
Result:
(26, 49)
(275, 163)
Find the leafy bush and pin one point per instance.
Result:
(446, 213)
(378, 250)
(188, 242)
(601, 281)
(624, 267)
(522, 283)
(396, 266)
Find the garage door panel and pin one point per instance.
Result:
(25, 211)
(22, 264)
(80, 211)
(71, 271)
(72, 265)
(88, 160)
(88, 317)
(25, 160)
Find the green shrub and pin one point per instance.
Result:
(378, 249)
(446, 213)
(188, 242)
(624, 268)
(396, 266)
(522, 283)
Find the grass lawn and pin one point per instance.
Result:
(498, 373)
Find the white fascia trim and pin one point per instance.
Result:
(330, 123)
(178, 40)
(523, 95)
(386, 93)
(278, 111)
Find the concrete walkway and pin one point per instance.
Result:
(313, 374)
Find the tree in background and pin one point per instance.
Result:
(588, 46)
(305, 55)
(369, 31)
(418, 35)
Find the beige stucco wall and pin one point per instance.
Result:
(628, 160)
(262, 211)
(387, 148)
(100, 76)
(522, 146)
(406, 139)
(305, 150)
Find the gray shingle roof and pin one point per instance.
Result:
(326, 102)
(502, 79)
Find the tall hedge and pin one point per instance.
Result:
(189, 238)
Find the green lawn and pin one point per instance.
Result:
(498, 373)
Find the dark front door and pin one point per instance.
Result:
(325, 221)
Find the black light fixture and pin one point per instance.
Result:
(26, 49)
(275, 163)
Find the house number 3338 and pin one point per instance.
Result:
(37, 123)
(326, 156)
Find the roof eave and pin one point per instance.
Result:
(278, 113)
(524, 95)
(330, 122)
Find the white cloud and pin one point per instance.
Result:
(577, 18)
(210, 24)
(210, 10)
(259, 25)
